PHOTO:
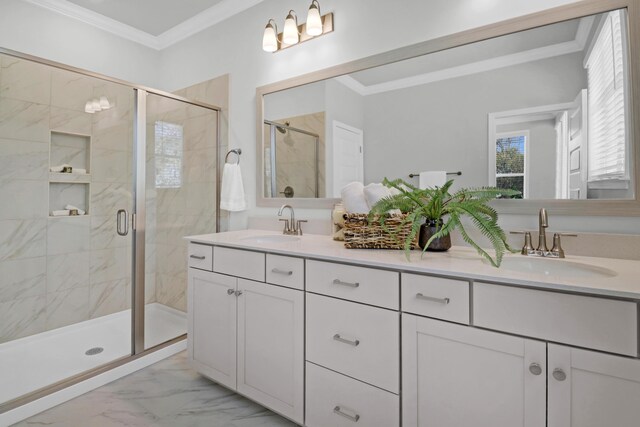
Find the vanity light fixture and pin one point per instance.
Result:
(290, 35)
(97, 104)
(316, 25)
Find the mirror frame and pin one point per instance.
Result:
(629, 207)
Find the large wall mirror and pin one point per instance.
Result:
(546, 104)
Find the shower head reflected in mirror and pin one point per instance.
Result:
(283, 130)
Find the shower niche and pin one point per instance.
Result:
(69, 174)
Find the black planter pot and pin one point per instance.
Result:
(427, 230)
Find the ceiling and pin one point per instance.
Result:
(151, 16)
(154, 23)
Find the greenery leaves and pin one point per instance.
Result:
(447, 211)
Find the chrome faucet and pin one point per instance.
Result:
(543, 250)
(543, 223)
(290, 225)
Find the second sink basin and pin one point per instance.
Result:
(554, 267)
(270, 238)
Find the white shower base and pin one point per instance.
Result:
(30, 363)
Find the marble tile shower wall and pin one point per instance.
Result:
(58, 271)
(187, 209)
(293, 146)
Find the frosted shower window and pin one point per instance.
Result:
(169, 141)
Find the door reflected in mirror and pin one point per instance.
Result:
(545, 111)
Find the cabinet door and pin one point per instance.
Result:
(591, 389)
(212, 326)
(460, 376)
(271, 347)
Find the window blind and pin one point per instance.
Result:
(607, 138)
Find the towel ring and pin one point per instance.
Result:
(236, 151)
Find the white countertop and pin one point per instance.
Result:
(462, 262)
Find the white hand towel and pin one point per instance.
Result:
(71, 207)
(79, 171)
(353, 198)
(232, 192)
(58, 169)
(430, 179)
(60, 213)
(376, 192)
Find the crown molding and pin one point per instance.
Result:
(205, 19)
(71, 10)
(504, 61)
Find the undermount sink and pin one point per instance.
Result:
(270, 238)
(554, 267)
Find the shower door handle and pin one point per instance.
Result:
(122, 222)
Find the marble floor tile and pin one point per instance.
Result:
(167, 394)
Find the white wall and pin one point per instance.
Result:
(362, 28)
(34, 30)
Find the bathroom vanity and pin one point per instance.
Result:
(328, 336)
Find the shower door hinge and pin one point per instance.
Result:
(133, 222)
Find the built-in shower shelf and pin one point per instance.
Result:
(69, 216)
(69, 178)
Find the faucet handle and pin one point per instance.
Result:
(556, 250)
(299, 226)
(287, 228)
(527, 248)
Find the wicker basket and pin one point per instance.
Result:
(359, 234)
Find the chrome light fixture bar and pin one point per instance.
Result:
(293, 34)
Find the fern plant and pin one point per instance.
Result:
(446, 210)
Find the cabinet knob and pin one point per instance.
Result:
(559, 374)
(238, 293)
(230, 291)
(535, 369)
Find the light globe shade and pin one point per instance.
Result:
(88, 107)
(270, 38)
(95, 105)
(290, 34)
(314, 20)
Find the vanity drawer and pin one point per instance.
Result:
(335, 400)
(591, 322)
(239, 263)
(285, 271)
(437, 297)
(357, 340)
(361, 284)
(201, 256)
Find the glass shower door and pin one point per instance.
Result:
(66, 143)
(181, 165)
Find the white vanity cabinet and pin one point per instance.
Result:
(327, 343)
(248, 336)
(456, 376)
(592, 389)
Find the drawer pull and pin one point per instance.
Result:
(340, 282)
(444, 301)
(338, 410)
(559, 374)
(200, 257)
(354, 343)
(285, 272)
(230, 291)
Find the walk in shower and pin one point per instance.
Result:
(99, 182)
(292, 165)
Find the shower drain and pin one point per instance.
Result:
(93, 351)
